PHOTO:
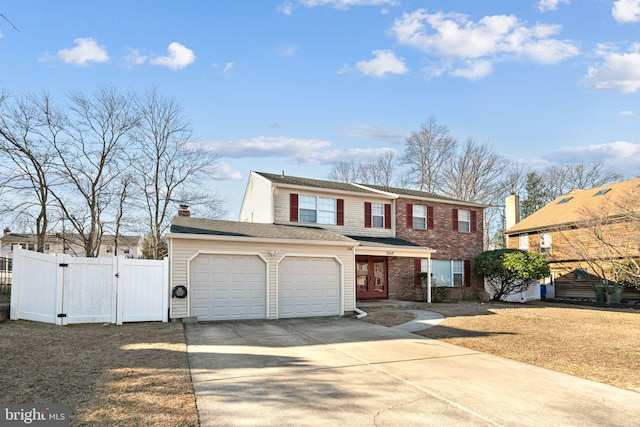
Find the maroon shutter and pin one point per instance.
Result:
(467, 272)
(417, 267)
(429, 217)
(340, 212)
(387, 216)
(293, 207)
(367, 214)
(454, 220)
(474, 218)
(409, 215)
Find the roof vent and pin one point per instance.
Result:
(601, 192)
(565, 200)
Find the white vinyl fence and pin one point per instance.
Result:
(62, 289)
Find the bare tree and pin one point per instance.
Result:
(24, 144)
(475, 174)
(91, 159)
(168, 165)
(345, 171)
(562, 178)
(426, 153)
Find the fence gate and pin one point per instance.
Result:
(62, 289)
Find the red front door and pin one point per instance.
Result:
(371, 278)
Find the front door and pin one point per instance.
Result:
(371, 278)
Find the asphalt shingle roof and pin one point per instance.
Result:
(570, 208)
(215, 227)
(317, 183)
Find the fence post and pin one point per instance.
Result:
(119, 265)
(62, 297)
(15, 283)
(165, 290)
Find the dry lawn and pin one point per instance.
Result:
(597, 344)
(130, 375)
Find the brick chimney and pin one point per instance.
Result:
(184, 211)
(512, 211)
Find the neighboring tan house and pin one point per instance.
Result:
(57, 243)
(383, 220)
(582, 225)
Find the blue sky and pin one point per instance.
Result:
(294, 85)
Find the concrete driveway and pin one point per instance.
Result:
(338, 371)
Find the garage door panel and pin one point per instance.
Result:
(308, 286)
(228, 287)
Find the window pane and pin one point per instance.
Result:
(325, 204)
(326, 210)
(325, 217)
(307, 202)
(441, 271)
(307, 215)
(464, 221)
(523, 242)
(377, 215)
(419, 217)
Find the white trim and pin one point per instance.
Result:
(242, 253)
(249, 239)
(401, 252)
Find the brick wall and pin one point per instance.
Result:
(449, 244)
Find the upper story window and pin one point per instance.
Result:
(523, 242)
(377, 215)
(545, 242)
(320, 210)
(464, 221)
(419, 217)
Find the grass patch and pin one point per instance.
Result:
(597, 344)
(130, 375)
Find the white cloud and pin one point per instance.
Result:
(134, 57)
(227, 68)
(621, 155)
(297, 150)
(224, 171)
(455, 40)
(376, 133)
(385, 62)
(178, 57)
(547, 5)
(288, 6)
(628, 113)
(475, 70)
(617, 71)
(626, 11)
(86, 50)
(288, 50)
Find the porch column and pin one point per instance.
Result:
(429, 280)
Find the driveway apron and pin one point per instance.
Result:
(334, 371)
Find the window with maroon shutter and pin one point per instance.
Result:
(467, 272)
(367, 214)
(429, 217)
(340, 211)
(417, 268)
(293, 207)
(409, 215)
(454, 220)
(387, 216)
(473, 221)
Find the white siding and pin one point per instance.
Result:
(353, 213)
(184, 249)
(257, 205)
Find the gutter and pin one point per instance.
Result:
(361, 314)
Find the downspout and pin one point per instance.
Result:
(360, 314)
(429, 280)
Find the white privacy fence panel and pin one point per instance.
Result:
(62, 289)
(143, 291)
(90, 290)
(39, 292)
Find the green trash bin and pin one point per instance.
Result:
(616, 294)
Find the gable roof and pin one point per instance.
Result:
(420, 195)
(569, 208)
(253, 230)
(316, 183)
(389, 192)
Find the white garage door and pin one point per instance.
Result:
(308, 287)
(228, 287)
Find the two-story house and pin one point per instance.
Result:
(315, 247)
(579, 233)
(68, 243)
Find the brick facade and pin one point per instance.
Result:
(449, 244)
